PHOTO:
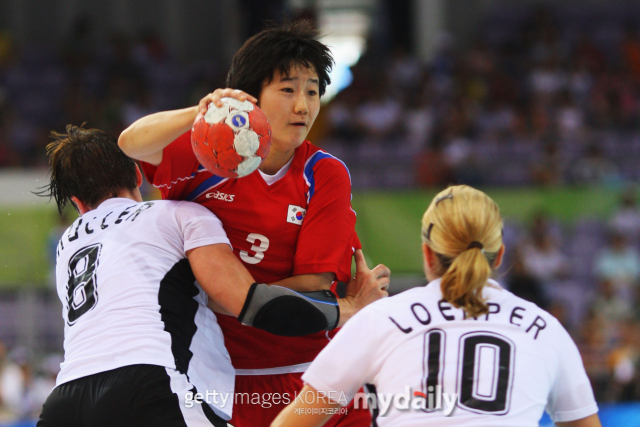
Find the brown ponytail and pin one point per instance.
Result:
(463, 227)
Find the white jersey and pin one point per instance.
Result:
(430, 366)
(129, 295)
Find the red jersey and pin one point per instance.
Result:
(302, 223)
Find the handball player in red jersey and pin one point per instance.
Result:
(290, 222)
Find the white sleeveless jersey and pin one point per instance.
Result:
(129, 295)
(430, 366)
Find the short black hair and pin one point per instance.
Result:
(89, 165)
(279, 48)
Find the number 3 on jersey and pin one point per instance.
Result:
(82, 292)
(259, 248)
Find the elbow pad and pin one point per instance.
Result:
(281, 311)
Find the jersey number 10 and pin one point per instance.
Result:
(484, 369)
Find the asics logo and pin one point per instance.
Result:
(221, 196)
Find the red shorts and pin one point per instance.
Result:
(260, 398)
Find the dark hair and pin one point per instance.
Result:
(279, 48)
(87, 164)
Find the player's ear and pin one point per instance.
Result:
(429, 259)
(80, 206)
(138, 176)
(498, 261)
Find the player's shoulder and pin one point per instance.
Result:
(320, 163)
(530, 318)
(502, 294)
(180, 209)
(188, 208)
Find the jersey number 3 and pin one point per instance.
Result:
(82, 291)
(259, 249)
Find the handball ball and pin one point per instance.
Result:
(233, 140)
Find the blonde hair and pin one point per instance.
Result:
(463, 227)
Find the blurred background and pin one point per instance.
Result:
(535, 102)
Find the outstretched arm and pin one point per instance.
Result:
(147, 137)
(228, 283)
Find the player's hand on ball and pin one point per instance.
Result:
(218, 94)
(230, 140)
(368, 285)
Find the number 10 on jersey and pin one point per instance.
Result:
(484, 374)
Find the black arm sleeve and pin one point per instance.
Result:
(282, 311)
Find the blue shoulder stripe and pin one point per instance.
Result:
(308, 170)
(204, 186)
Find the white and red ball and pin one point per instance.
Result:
(231, 141)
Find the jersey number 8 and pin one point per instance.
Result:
(82, 291)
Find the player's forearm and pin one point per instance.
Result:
(347, 310)
(147, 137)
(307, 282)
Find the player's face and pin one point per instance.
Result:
(291, 103)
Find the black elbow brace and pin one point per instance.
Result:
(282, 311)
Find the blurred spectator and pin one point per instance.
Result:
(378, 117)
(635, 305)
(137, 107)
(405, 69)
(624, 362)
(541, 255)
(619, 263)
(78, 50)
(341, 116)
(610, 306)
(548, 171)
(595, 168)
(418, 119)
(626, 220)
(150, 50)
(523, 284)
(569, 118)
(548, 79)
(630, 51)
(594, 348)
(431, 168)
(15, 381)
(8, 157)
(41, 386)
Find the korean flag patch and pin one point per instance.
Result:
(296, 214)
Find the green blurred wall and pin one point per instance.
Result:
(388, 225)
(389, 222)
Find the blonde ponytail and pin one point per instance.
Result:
(463, 281)
(463, 227)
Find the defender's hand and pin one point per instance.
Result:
(218, 94)
(367, 285)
